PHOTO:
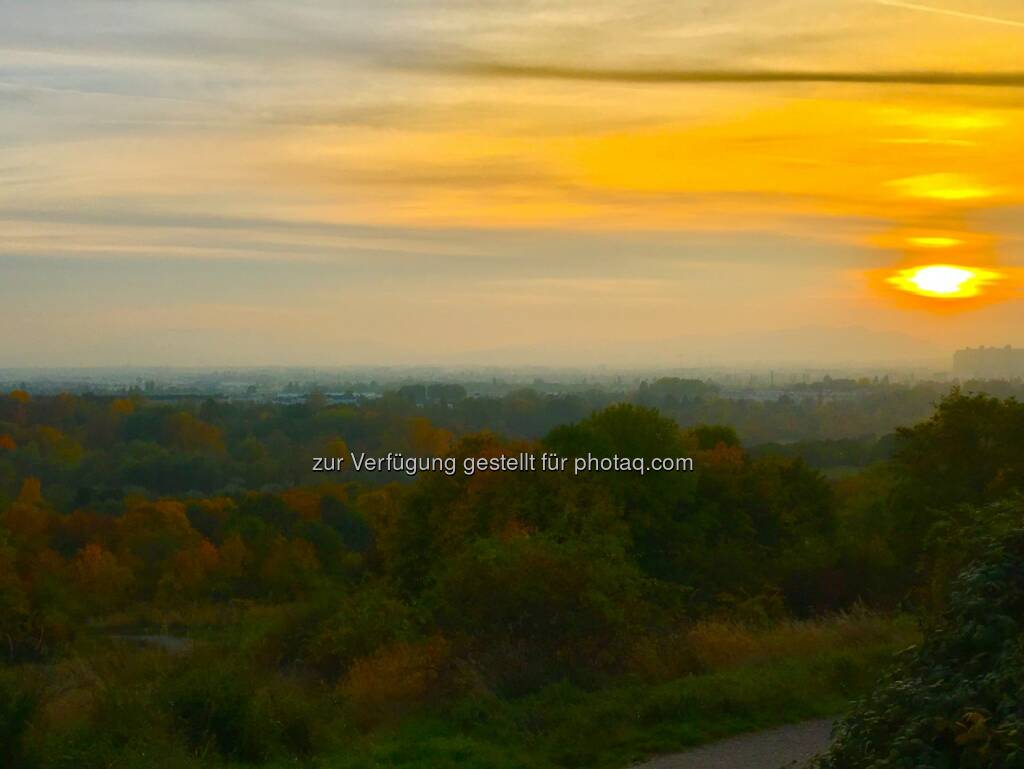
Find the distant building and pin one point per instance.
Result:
(989, 363)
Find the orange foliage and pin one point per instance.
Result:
(31, 492)
(304, 502)
(188, 569)
(514, 528)
(7, 443)
(208, 555)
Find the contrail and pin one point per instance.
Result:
(950, 12)
(1012, 79)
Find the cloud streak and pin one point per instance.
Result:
(1013, 79)
(951, 12)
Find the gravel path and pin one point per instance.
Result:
(792, 745)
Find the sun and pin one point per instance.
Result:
(944, 281)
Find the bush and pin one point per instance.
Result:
(327, 635)
(957, 700)
(533, 610)
(248, 714)
(397, 679)
(212, 704)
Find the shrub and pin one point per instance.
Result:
(247, 713)
(533, 610)
(397, 679)
(327, 635)
(957, 700)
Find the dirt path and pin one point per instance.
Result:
(792, 745)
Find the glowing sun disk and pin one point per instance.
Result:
(944, 281)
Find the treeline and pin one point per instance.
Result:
(90, 451)
(812, 413)
(817, 412)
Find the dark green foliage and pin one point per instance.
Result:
(957, 700)
(658, 508)
(17, 707)
(351, 527)
(534, 610)
(834, 454)
(971, 451)
(325, 635)
(221, 706)
(711, 436)
(213, 704)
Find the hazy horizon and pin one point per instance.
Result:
(550, 183)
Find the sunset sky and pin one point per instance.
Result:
(233, 182)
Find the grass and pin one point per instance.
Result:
(786, 674)
(113, 705)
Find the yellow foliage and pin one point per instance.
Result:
(20, 396)
(27, 520)
(100, 575)
(718, 644)
(145, 523)
(396, 679)
(427, 440)
(59, 446)
(336, 447)
(122, 407)
(721, 456)
(192, 434)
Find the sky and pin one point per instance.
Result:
(687, 182)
